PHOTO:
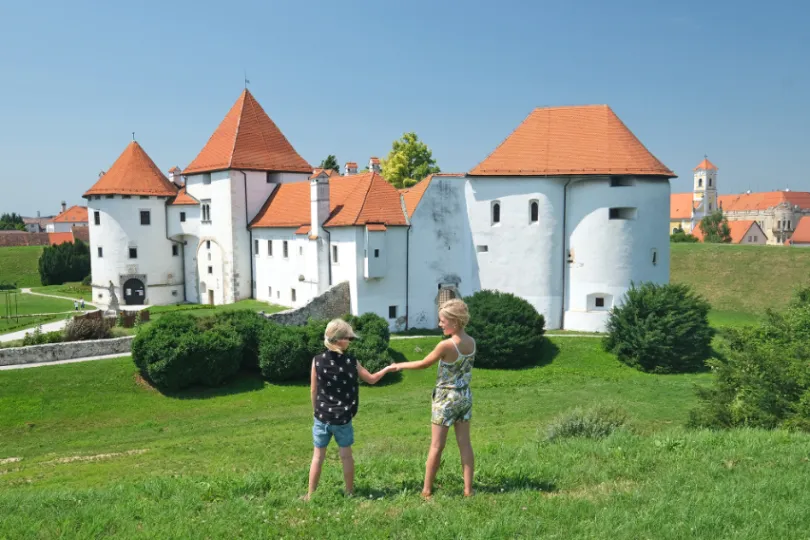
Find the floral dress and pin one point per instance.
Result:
(452, 397)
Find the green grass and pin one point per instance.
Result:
(14, 325)
(29, 304)
(232, 462)
(20, 265)
(70, 290)
(742, 279)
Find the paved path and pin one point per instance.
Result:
(47, 327)
(29, 291)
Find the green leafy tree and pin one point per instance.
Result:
(330, 162)
(715, 228)
(11, 222)
(64, 262)
(680, 236)
(409, 161)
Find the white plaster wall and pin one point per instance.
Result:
(120, 229)
(282, 274)
(211, 270)
(189, 227)
(64, 226)
(374, 244)
(190, 250)
(441, 250)
(609, 255)
(376, 295)
(523, 258)
(350, 261)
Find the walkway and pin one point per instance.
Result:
(47, 327)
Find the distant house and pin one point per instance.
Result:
(75, 216)
(801, 236)
(742, 232)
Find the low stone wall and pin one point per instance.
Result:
(334, 303)
(52, 352)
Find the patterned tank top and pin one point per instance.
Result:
(456, 375)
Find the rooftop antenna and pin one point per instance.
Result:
(247, 82)
(133, 136)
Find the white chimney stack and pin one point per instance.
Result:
(64, 206)
(175, 176)
(350, 168)
(319, 213)
(374, 165)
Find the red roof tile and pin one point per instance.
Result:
(681, 205)
(184, 199)
(706, 165)
(763, 201)
(74, 214)
(376, 227)
(248, 139)
(739, 229)
(582, 140)
(358, 199)
(801, 235)
(329, 172)
(133, 173)
(56, 238)
(303, 229)
(22, 238)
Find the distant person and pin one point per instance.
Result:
(75, 305)
(452, 397)
(82, 303)
(334, 390)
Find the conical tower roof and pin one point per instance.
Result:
(133, 173)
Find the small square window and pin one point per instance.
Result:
(292, 294)
(376, 253)
(270, 292)
(208, 244)
(144, 196)
(284, 249)
(392, 312)
(210, 269)
(175, 250)
(146, 218)
(334, 254)
(174, 293)
(482, 249)
(133, 253)
(206, 178)
(255, 247)
(100, 252)
(599, 301)
(300, 250)
(109, 196)
(182, 217)
(270, 248)
(97, 218)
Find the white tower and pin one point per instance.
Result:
(705, 189)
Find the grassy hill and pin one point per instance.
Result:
(20, 265)
(746, 279)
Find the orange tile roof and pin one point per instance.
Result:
(303, 229)
(413, 195)
(56, 238)
(801, 235)
(739, 229)
(376, 227)
(329, 172)
(706, 165)
(375, 160)
(184, 199)
(358, 199)
(175, 169)
(579, 140)
(248, 139)
(681, 205)
(351, 164)
(74, 214)
(763, 201)
(133, 173)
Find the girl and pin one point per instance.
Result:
(452, 397)
(335, 399)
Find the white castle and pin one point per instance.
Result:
(567, 212)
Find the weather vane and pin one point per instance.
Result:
(247, 82)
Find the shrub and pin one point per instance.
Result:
(87, 281)
(174, 352)
(86, 329)
(680, 236)
(371, 349)
(592, 423)
(7, 286)
(64, 262)
(284, 352)
(661, 329)
(762, 376)
(507, 329)
(37, 337)
(249, 325)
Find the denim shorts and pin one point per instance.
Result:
(322, 434)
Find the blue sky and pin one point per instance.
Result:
(726, 78)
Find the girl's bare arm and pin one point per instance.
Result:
(370, 378)
(435, 355)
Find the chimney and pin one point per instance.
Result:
(374, 165)
(319, 213)
(64, 206)
(175, 177)
(351, 168)
(37, 214)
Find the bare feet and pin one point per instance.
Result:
(469, 493)
(306, 497)
(426, 495)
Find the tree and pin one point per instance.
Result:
(11, 222)
(64, 262)
(680, 236)
(715, 228)
(409, 161)
(330, 162)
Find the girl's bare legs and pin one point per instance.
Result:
(437, 442)
(347, 459)
(318, 455)
(467, 457)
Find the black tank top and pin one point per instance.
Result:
(337, 388)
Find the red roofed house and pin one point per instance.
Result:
(801, 235)
(566, 212)
(777, 213)
(75, 216)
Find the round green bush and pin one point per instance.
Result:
(249, 325)
(286, 352)
(371, 347)
(508, 331)
(661, 329)
(178, 351)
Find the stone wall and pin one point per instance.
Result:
(52, 352)
(332, 304)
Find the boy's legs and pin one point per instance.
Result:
(318, 455)
(437, 442)
(467, 456)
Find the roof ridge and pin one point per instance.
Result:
(236, 131)
(253, 106)
(365, 197)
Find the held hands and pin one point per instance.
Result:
(392, 368)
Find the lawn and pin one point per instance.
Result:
(29, 304)
(20, 265)
(104, 455)
(70, 290)
(14, 325)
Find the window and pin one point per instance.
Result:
(208, 244)
(97, 197)
(376, 253)
(710, 182)
(100, 252)
(278, 294)
(534, 212)
(654, 254)
(182, 217)
(144, 196)
(749, 237)
(97, 218)
(622, 213)
(334, 254)
(292, 294)
(126, 196)
(788, 225)
(620, 181)
(756, 238)
(209, 256)
(270, 248)
(255, 247)
(210, 269)
(174, 293)
(133, 253)
(300, 250)
(109, 196)
(481, 249)
(270, 292)
(700, 182)
(496, 212)
(206, 177)
(710, 207)
(599, 301)
(175, 250)
(146, 218)
(392, 312)
(284, 250)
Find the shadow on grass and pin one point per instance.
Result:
(244, 381)
(546, 354)
(493, 486)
